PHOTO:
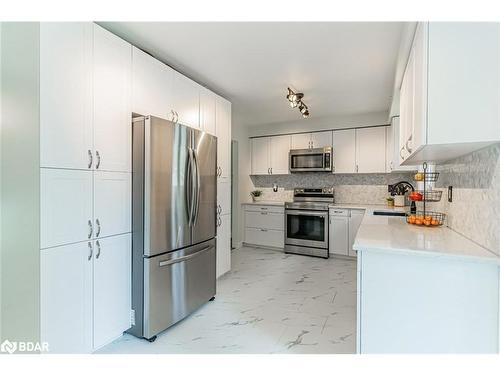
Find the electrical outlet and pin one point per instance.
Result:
(450, 193)
(132, 317)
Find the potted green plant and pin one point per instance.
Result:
(256, 194)
(390, 201)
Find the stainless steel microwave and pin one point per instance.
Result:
(311, 160)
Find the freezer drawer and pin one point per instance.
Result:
(176, 284)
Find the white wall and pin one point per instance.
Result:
(20, 187)
(323, 123)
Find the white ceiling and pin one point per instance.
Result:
(342, 67)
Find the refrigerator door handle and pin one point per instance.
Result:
(184, 258)
(197, 189)
(188, 187)
(192, 185)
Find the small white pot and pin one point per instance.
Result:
(399, 200)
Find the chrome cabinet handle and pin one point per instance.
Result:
(98, 249)
(219, 209)
(408, 147)
(263, 213)
(173, 115)
(271, 170)
(176, 117)
(98, 159)
(357, 168)
(400, 151)
(263, 230)
(91, 229)
(98, 223)
(91, 251)
(90, 159)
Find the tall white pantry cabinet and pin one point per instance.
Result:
(85, 186)
(91, 82)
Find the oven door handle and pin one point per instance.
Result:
(306, 213)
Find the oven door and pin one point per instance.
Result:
(306, 228)
(310, 160)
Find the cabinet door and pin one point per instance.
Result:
(186, 100)
(406, 108)
(223, 133)
(66, 95)
(112, 203)
(223, 197)
(339, 235)
(207, 111)
(112, 288)
(278, 154)
(260, 155)
(112, 101)
(354, 223)
(151, 86)
(301, 141)
(65, 206)
(344, 151)
(389, 147)
(321, 139)
(370, 150)
(224, 245)
(66, 298)
(419, 124)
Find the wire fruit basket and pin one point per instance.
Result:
(426, 218)
(429, 195)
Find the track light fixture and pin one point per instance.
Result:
(295, 99)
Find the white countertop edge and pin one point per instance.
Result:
(432, 254)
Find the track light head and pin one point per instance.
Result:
(295, 99)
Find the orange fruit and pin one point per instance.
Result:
(418, 222)
(434, 222)
(427, 223)
(428, 218)
(411, 219)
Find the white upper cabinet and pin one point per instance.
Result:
(452, 72)
(301, 141)
(321, 139)
(112, 203)
(393, 151)
(112, 101)
(66, 298)
(344, 151)
(112, 288)
(223, 133)
(207, 111)
(370, 150)
(65, 206)
(186, 94)
(66, 95)
(151, 86)
(260, 155)
(312, 140)
(279, 148)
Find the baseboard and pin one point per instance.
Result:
(237, 245)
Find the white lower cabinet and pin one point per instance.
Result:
(85, 294)
(111, 288)
(339, 234)
(354, 223)
(344, 224)
(66, 298)
(223, 258)
(265, 226)
(65, 206)
(112, 203)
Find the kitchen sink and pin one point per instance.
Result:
(389, 213)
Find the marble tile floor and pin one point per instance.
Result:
(270, 302)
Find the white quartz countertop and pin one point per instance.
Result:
(393, 234)
(264, 203)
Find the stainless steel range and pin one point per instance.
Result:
(306, 222)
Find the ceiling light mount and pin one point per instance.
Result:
(295, 99)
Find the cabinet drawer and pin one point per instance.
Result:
(265, 237)
(339, 212)
(261, 208)
(265, 220)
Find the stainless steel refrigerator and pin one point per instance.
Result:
(174, 192)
